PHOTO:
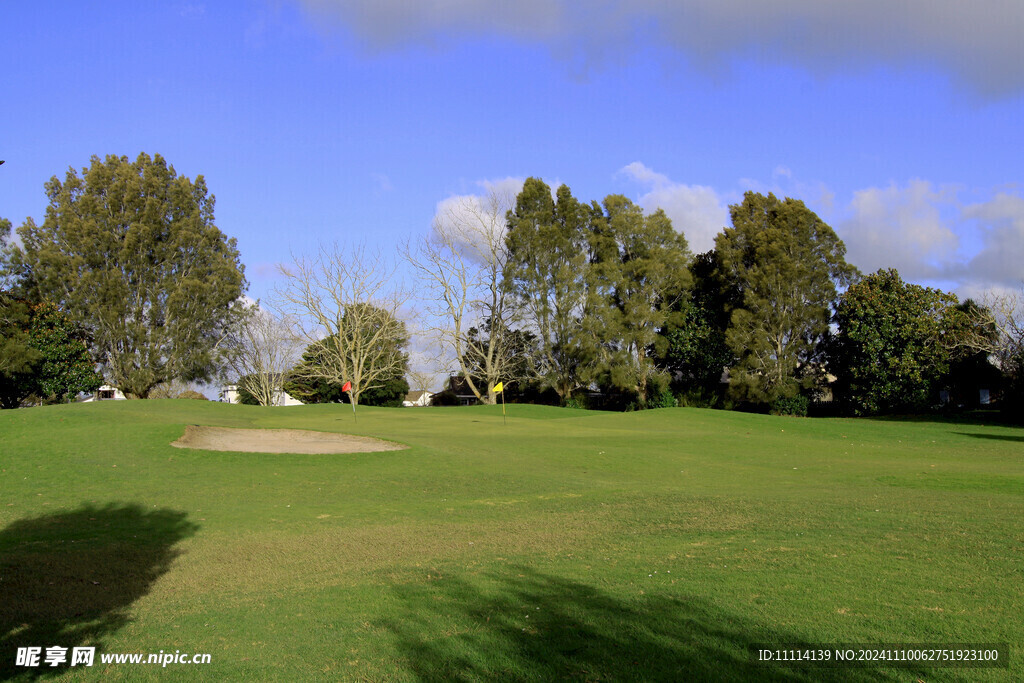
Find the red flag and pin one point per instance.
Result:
(347, 387)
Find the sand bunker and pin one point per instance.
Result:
(279, 441)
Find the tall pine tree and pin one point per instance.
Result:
(639, 272)
(546, 270)
(786, 265)
(130, 249)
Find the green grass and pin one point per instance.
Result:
(567, 544)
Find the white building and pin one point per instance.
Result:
(106, 393)
(415, 399)
(229, 394)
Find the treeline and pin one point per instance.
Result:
(592, 304)
(606, 307)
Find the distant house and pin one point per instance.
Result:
(460, 387)
(416, 399)
(106, 393)
(229, 394)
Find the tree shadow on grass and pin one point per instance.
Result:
(528, 626)
(971, 418)
(995, 437)
(68, 579)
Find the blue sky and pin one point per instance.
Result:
(334, 120)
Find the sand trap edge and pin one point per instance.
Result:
(279, 441)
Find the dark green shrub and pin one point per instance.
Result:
(794, 405)
(663, 399)
(576, 401)
(245, 396)
(193, 394)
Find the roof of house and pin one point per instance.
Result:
(460, 386)
(414, 396)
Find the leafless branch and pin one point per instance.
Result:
(996, 327)
(263, 349)
(461, 266)
(348, 310)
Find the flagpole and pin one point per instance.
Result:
(504, 421)
(347, 388)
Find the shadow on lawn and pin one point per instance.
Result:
(68, 579)
(528, 626)
(996, 437)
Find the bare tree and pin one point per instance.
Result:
(468, 310)
(347, 310)
(263, 349)
(427, 368)
(996, 327)
(175, 388)
(420, 380)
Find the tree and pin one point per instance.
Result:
(970, 370)
(786, 265)
(692, 344)
(349, 317)
(176, 389)
(130, 250)
(995, 328)
(421, 380)
(244, 396)
(692, 349)
(548, 245)
(311, 387)
(66, 368)
(637, 274)
(519, 370)
(262, 349)
(19, 361)
(7, 252)
(461, 265)
(889, 352)
(16, 357)
(42, 354)
(390, 395)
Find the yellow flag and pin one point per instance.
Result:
(498, 387)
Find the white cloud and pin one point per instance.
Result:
(1001, 258)
(640, 173)
(785, 184)
(978, 42)
(906, 228)
(923, 230)
(695, 210)
(476, 222)
(506, 189)
(929, 234)
(985, 293)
